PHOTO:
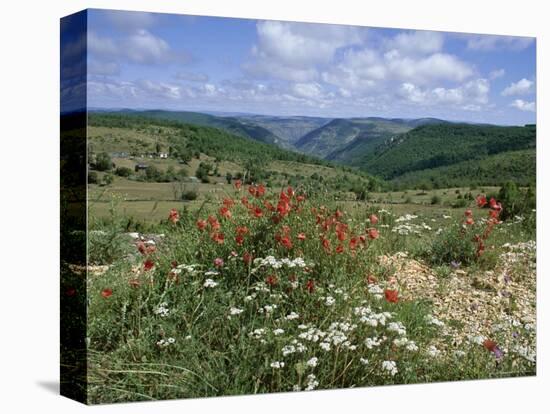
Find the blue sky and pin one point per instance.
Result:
(162, 61)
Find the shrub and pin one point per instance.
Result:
(93, 178)
(453, 245)
(189, 195)
(103, 162)
(517, 202)
(123, 172)
(108, 179)
(436, 199)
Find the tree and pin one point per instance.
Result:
(123, 172)
(103, 162)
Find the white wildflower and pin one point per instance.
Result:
(209, 283)
(312, 362)
(277, 364)
(390, 367)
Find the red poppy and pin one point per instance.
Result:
(286, 242)
(373, 234)
(271, 280)
(283, 207)
(326, 245)
(148, 265)
(257, 211)
(489, 345)
(239, 240)
(339, 249)
(247, 257)
(301, 236)
(201, 224)
(300, 198)
(244, 201)
(494, 205)
(260, 191)
(469, 221)
(252, 190)
(481, 201)
(373, 219)
(338, 214)
(391, 295)
(468, 213)
(242, 230)
(106, 293)
(238, 184)
(269, 206)
(225, 212)
(310, 285)
(290, 192)
(174, 216)
(363, 238)
(228, 202)
(214, 223)
(218, 237)
(494, 214)
(145, 249)
(353, 243)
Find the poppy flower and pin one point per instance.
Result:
(301, 236)
(469, 221)
(391, 295)
(269, 206)
(247, 257)
(290, 192)
(373, 234)
(271, 280)
(106, 293)
(148, 265)
(468, 213)
(339, 249)
(310, 285)
(252, 190)
(214, 223)
(174, 216)
(494, 204)
(218, 237)
(326, 245)
(260, 191)
(481, 201)
(239, 240)
(228, 202)
(238, 184)
(257, 211)
(353, 243)
(286, 242)
(201, 224)
(300, 198)
(373, 219)
(338, 214)
(225, 212)
(145, 249)
(244, 201)
(489, 345)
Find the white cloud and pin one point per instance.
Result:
(497, 73)
(521, 87)
(291, 51)
(139, 47)
(307, 90)
(523, 105)
(491, 42)
(129, 21)
(420, 41)
(472, 95)
(439, 66)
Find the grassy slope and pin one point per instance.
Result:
(433, 146)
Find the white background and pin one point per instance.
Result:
(29, 245)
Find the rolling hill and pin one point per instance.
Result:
(439, 145)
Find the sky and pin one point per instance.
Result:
(177, 62)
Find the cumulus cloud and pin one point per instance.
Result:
(497, 73)
(521, 87)
(491, 42)
(420, 41)
(138, 47)
(470, 96)
(523, 105)
(291, 51)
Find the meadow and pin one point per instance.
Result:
(235, 267)
(267, 290)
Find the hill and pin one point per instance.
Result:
(347, 141)
(229, 124)
(439, 145)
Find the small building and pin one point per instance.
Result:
(163, 155)
(140, 167)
